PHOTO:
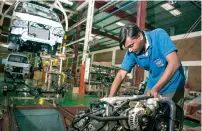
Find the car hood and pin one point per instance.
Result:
(37, 19)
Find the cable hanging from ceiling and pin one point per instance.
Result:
(191, 29)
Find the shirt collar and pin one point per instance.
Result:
(147, 44)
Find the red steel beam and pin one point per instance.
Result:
(95, 31)
(141, 16)
(76, 46)
(119, 14)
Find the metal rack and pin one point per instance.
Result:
(49, 71)
(101, 78)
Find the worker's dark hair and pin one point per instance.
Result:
(130, 30)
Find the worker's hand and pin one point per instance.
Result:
(153, 92)
(110, 100)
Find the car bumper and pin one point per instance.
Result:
(17, 74)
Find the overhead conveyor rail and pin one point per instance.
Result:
(51, 5)
(104, 7)
(58, 5)
(5, 13)
(78, 9)
(81, 39)
(109, 15)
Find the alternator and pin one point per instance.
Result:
(134, 115)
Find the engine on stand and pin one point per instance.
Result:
(136, 113)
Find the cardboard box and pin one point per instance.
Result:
(190, 109)
(75, 90)
(185, 128)
(92, 88)
(37, 83)
(37, 75)
(109, 64)
(197, 115)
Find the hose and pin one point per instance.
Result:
(172, 114)
(191, 29)
(73, 122)
(109, 118)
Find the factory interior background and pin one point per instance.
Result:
(59, 58)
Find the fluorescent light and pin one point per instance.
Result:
(167, 6)
(120, 24)
(175, 12)
(98, 37)
(67, 2)
(92, 35)
(8, 3)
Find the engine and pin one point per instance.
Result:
(136, 113)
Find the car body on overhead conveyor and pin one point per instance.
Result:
(34, 28)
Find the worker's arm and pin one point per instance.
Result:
(117, 81)
(172, 67)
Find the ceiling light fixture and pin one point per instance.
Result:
(167, 6)
(175, 12)
(67, 2)
(93, 35)
(120, 23)
(96, 36)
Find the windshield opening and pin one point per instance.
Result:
(17, 58)
(33, 9)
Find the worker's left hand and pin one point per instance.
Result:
(153, 92)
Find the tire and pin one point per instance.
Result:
(10, 49)
(5, 74)
(19, 48)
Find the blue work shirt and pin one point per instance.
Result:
(160, 45)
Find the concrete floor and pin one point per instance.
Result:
(69, 99)
(1, 76)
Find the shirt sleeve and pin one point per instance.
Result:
(166, 44)
(128, 62)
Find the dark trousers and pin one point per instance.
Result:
(177, 97)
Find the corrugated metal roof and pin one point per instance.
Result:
(156, 17)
